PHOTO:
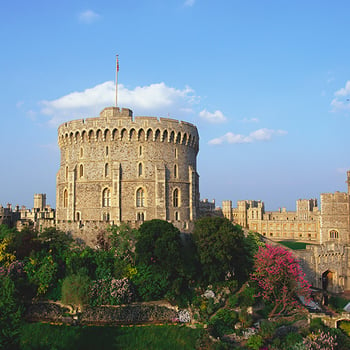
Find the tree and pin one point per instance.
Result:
(279, 279)
(159, 248)
(220, 247)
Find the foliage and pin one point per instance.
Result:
(80, 260)
(150, 284)
(222, 323)
(10, 313)
(160, 261)
(24, 242)
(337, 303)
(279, 279)
(42, 272)
(221, 250)
(320, 341)
(122, 240)
(6, 258)
(255, 342)
(111, 292)
(75, 289)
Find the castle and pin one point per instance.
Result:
(116, 168)
(326, 261)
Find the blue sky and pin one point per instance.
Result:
(266, 82)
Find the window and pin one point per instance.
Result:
(140, 198)
(106, 216)
(78, 216)
(333, 234)
(81, 170)
(106, 150)
(81, 152)
(140, 151)
(176, 198)
(66, 173)
(106, 169)
(106, 198)
(140, 217)
(175, 153)
(176, 216)
(140, 169)
(65, 199)
(175, 171)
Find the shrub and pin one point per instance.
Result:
(320, 341)
(255, 342)
(222, 323)
(75, 290)
(111, 292)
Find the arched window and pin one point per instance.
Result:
(140, 169)
(106, 150)
(81, 170)
(175, 171)
(78, 216)
(140, 217)
(66, 173)
(176, 216)
(176, 198)
(106, 169)
(81, 152)
(65, 199)
(175, 152)
(140, 198)
(106, 198)
(333, 234)
(140, 151)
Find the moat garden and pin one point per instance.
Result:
(154, 288)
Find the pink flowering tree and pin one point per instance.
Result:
(279, 279)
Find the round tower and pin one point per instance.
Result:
(116, 168)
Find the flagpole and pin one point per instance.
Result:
(116, 82)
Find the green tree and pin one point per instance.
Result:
(10, 314)
(221, 250)
(160, 248)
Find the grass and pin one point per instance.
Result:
(294, 245)
(168, 337)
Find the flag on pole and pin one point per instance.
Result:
(117, 63)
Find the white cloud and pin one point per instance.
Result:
(255, 136)
(341, 102)
(88, 16)
(155, 99)
(344, 91)
(189, 3)
(216, 117)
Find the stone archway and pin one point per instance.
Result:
(327, 280)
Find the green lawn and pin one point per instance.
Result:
(294, 245)
(168, 337)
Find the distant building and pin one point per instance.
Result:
(302, 224)
(41, 216)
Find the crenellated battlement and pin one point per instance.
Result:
(115, 124)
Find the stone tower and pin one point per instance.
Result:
(116, 168)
